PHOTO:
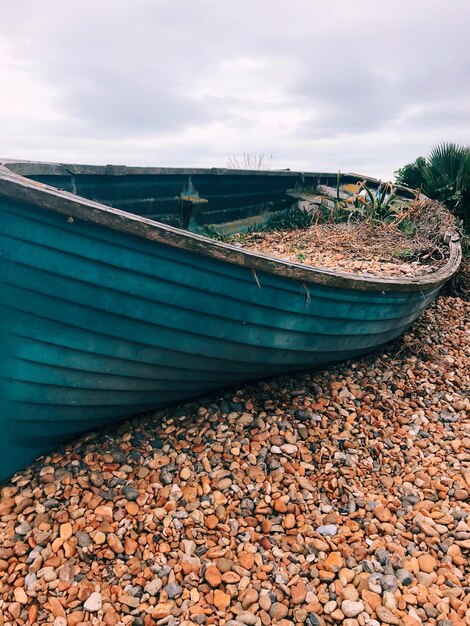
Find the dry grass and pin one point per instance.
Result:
(250, 162)
(365, 247)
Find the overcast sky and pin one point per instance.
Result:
(356, 85)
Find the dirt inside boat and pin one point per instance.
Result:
(358, 248)
(351, 229)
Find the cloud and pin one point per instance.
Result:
(354, 84)
(116, 103)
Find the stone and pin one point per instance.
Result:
(130, 546)
(162, 610)
(389, 582)
(20, 595)
(213, 576)
(211, 522)
(382, 514)
(94, 602)
(104, 512)
(173, 590)
(350, 593)
(389, 601)
(65, 531)
(190, 564)
(280, 506)
(56, 607)
(371, 598)
(289, 449)
(334, 562)
(185, 473)
(224, 564)
(386, 616)
(265, 601)
(266, 526)
(153, 586)
(250, 596)
(221, 600)
(278, 611)
(330, 607)
(246, 617)
(427, 563)
(130, 601)
(404, 576)
(408, 620)
(351, 609)
(132, 508)
(83, 539)
(30, 583)
(298, 593)
(289, 521)
(427, 529)
(130, 492)
(327, 530)
(246, 559)
(115, 543)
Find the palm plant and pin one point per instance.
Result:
(445, 176)
(412, 174)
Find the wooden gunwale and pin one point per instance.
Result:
(15, 186)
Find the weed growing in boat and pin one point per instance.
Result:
(211, 231)
(293, 219)
(407, 254)
(408, 227)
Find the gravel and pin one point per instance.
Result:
(356, 248)
(327, 497)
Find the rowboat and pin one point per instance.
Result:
(113, 303)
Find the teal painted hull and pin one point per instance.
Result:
(98, 325)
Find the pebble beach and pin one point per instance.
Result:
(338, 496)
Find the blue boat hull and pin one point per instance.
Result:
(98, 325)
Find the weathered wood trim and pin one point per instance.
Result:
(14, 186)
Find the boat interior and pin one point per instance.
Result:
(192, 199)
